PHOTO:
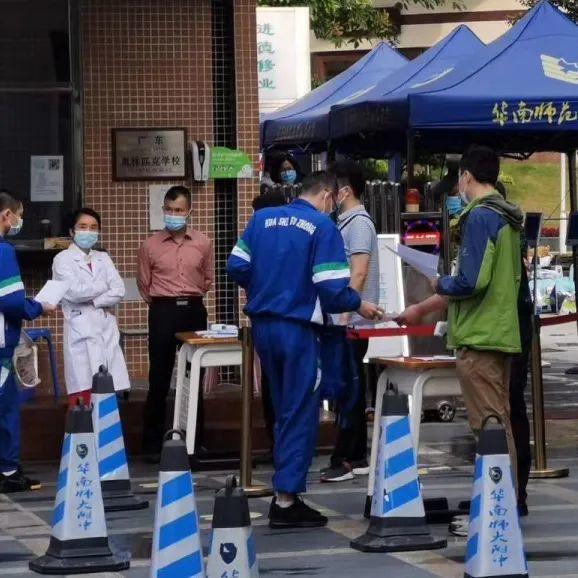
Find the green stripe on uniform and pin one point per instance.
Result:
(330, 267)
(243, 246)
(7, 289)
(10, 281)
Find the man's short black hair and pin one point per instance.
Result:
(7, 201)
(483, 163)
(319, 181)
(84, 211)
(178, 191)
(349, 174)
(269, 199)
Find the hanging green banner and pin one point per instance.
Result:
(230, 164)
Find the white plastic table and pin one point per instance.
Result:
(199, 352)
(410, 376)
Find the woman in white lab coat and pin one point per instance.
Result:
(91, 336)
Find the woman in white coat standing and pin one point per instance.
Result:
(91, 336)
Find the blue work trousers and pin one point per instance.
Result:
(290, 354)
(9, 421)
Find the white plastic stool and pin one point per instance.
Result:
(199, 352)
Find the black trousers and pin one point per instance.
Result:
(518, 411)
(351, 443)
(167, 317)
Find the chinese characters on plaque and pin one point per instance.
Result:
(144, 154)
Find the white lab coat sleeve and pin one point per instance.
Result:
(65, 269)
(116, 288)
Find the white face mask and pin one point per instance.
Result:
(463, 194)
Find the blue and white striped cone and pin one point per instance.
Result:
(176, 542)
(495, 546)
(397, 522)
(79, 541)
(232, 550)
(113, 465)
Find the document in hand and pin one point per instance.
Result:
(424, 263)
(53, 292)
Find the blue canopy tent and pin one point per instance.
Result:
(359, 124)
(518, 94)
(305, 122)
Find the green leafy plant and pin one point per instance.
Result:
(353, 21)
(570, 7)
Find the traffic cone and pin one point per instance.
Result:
(397, 522)
(79, 541)
(232, 549)
(495, 546)
(113, 466)
(176, 541)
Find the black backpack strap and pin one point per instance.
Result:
(342, 226)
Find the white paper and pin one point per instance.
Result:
(46, 179)
(156, 199)
(424, 263)
(53, 292)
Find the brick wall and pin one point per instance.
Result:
(148, 63)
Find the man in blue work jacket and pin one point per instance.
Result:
(14, 307)
(291, 262)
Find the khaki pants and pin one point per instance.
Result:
(485, 381)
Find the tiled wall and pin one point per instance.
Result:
(148, 63)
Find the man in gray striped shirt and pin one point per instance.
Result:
(350, 454)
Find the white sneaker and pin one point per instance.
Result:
(459, 526)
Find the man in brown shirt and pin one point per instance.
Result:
(175, 271)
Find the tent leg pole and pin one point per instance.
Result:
(573, 209)
(330, 152)
(410, 159)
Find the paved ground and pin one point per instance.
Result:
(550, 532)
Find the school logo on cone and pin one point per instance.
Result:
(232, 551)
(495, 546)
(79, 541)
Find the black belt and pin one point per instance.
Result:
(191, 300)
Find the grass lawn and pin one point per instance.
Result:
(533, 186)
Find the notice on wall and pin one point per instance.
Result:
(283, 56)
(46, 179)
(230, 164)
(156, 199)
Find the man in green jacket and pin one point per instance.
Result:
(482, 294)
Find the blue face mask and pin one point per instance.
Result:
(175, 222)
(454, 206)
(86, 239)
(289, 177)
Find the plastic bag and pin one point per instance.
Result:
(25, 362)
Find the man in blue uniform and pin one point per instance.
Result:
(291, 261)
(14, 307)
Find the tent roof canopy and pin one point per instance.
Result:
(385, 107)
(520, 93)
(306, 120)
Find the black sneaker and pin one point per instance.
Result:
(340, 473)
(459, 526)
(17, 482)
(298, 515)
(522, 509)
